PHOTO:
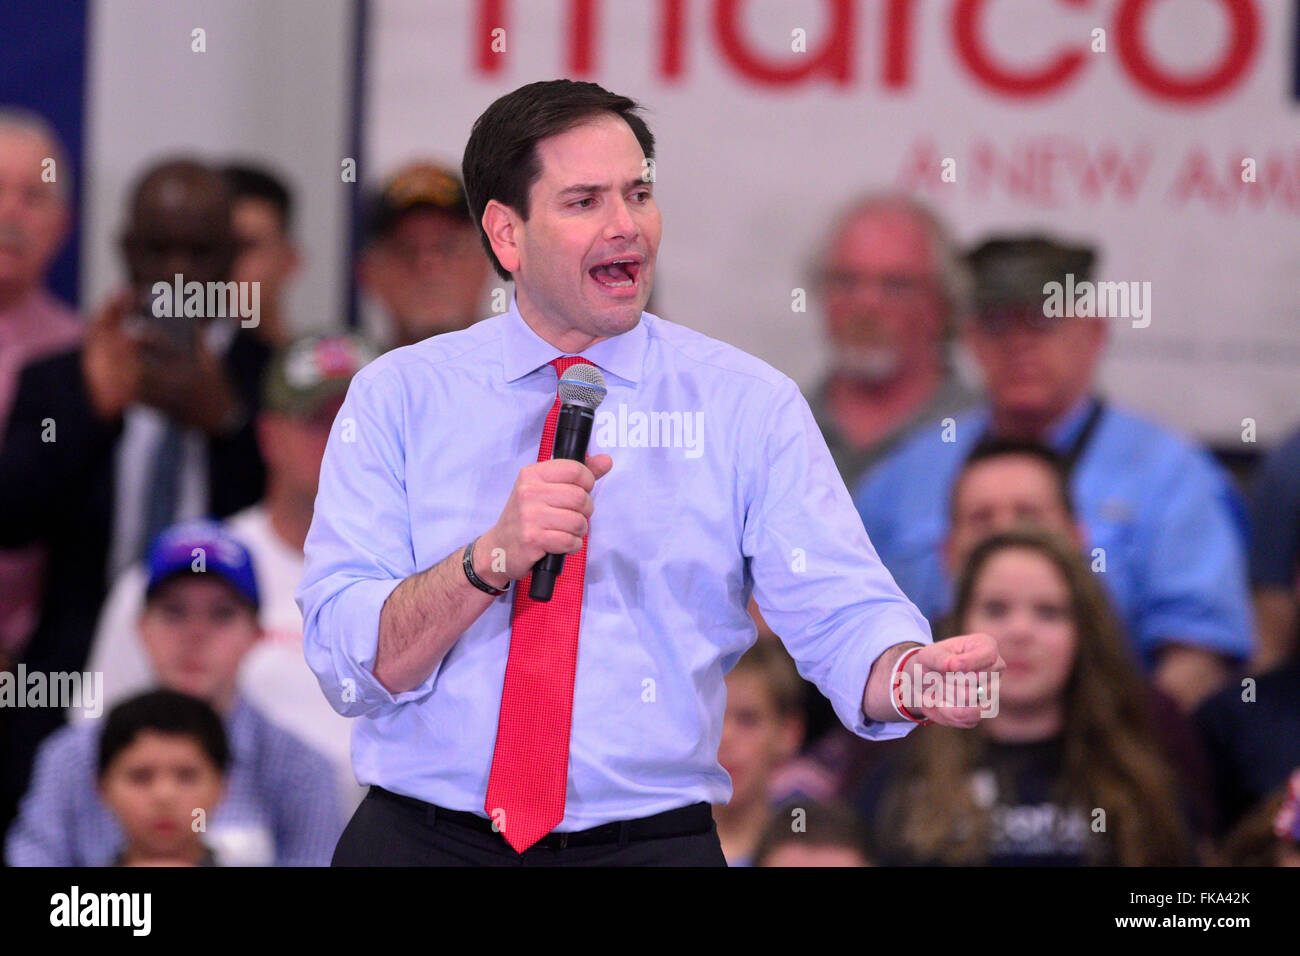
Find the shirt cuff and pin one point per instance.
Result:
(848, 682)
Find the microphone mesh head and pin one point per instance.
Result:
(582, 385)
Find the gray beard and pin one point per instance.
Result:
(867, 364)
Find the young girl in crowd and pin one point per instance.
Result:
(1065, 771)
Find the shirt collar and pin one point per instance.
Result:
(524, 351)
(1059, 435)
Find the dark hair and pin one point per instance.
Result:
(768, 660)
(825, 824)
(989, 448)
(166, 712)
(500, 159)
(257, 182)
(1109, 757)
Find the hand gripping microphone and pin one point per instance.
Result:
(582, 389)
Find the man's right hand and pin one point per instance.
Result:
(547, 513)
(110, 359)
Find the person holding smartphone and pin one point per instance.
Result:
(145, 423)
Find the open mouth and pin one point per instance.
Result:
(617, 276)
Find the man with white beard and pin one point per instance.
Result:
(890, 283)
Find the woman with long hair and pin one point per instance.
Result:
(1067, 772)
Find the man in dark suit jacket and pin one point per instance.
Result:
(60, 481)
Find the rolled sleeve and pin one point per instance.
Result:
(358, 549)
(817, 578)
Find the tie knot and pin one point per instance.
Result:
(566, 362)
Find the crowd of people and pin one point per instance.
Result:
(158, 474)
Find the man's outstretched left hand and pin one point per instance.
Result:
(952, 682)
(976, 658)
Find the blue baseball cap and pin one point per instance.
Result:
(198, 547)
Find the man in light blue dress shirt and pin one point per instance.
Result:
(710, 481)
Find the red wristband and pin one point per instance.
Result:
(896, 698)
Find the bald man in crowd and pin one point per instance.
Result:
(147, 423)
(890, 282)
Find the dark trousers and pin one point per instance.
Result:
(391, 830)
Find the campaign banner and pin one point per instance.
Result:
(1164, 132)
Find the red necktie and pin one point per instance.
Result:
(530, 765)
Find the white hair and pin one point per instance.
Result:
(954, 275)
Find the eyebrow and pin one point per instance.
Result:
(584, 188)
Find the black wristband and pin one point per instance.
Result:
(467, 562)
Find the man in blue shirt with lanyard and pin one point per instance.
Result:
(500, 730)
(1165, 528)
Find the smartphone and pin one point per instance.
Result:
(165, 312)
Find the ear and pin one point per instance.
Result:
(65, 224)
(501, 223)
(266, 434)
(295, 259)
(949, 554)
(367, 270)
(791, 736)
(1098, 332)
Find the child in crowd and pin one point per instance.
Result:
(763, 728)
(815, 834)
(161, 770)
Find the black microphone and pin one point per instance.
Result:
(581, 389)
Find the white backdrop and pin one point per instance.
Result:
(273, 86)
(749, 171)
